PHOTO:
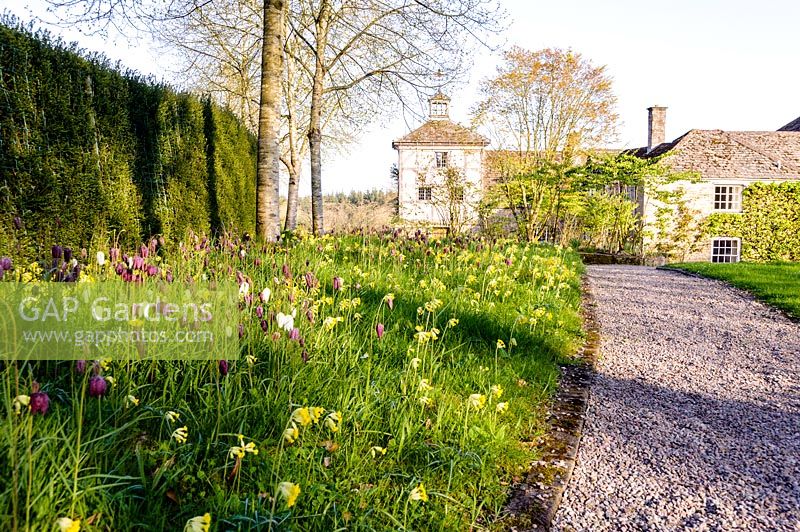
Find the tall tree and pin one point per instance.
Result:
(375, 51)
(541, 102)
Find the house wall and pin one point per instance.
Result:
(700, 199)
(417, 167)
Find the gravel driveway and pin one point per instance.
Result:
(694, 417)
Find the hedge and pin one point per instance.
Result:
(769, 224)
(91, 153)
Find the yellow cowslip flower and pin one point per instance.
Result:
(20, 402)
(291, 433)
(171, 416)
(477, 400)
(332, 421)
(355, 302)
(180, 435)
(105, 363)
(111, 381)
(315, 412)
(302, 416)
(424, 385)
(425, 400)
(496, 390)
(132, 400)
(512, 342)
(500, 344)
(330, 322)
(501, 407)
(65, 524)
(377, 450)
(251, 360)
(357, 316)
(418, 493)
(415, 362)
(289, 491)
(420, 311)
(452, 322)
(201, 523)
(242, 449)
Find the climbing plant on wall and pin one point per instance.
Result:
(769, 224)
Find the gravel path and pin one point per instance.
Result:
(694, 417)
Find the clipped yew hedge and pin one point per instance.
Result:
(90, 153)
(769, 224)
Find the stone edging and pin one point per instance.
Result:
(534, 501)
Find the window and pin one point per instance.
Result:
(458, 194)
(725, 250)
(439, 109)
(727, 198)
(441, 159)
(425, 193)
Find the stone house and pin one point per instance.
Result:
(424, 193)
(726, 162)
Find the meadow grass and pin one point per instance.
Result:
(430, 363)
(775, 283)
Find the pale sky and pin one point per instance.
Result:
(716, 64)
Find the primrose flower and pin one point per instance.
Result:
(424, 385)
(289, 491)
(377, 450)
(418, 493)
(291, 433)
(501, 407)
(379, 330)
(477, 400)
(302, 416)
(496, 390)
(500, 344)
(180, 435)
(242, 449)
(65, 524)
(315, 412)
(171, 416)
(332, 421)
(201, 523)
(415, 362)
(131, 400)
(20, 402)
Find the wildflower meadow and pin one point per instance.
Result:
(385, 381)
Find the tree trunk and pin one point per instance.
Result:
(268, 223)
(293, 164)
(315, 123)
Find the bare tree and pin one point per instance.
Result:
(541, 102)
(374, 52)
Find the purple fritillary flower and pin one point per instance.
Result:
(287, 272)
(17, 223)
(80, 366)
(379, 330)
(67, 254)
(5, 264)
(337, 283)
(260, 312)
(98, 386)
(57, 251)
(223, 367)
(40, 403)
(294, 334)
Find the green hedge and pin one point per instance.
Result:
(769, 224)
(90, 153)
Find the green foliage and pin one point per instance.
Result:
(775, 283)
(769, 224)
(91, 154)
(451, 301)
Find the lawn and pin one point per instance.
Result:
(776, 283)
(384, 383)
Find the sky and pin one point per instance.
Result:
(716, 64)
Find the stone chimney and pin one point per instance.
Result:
(656, 130)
